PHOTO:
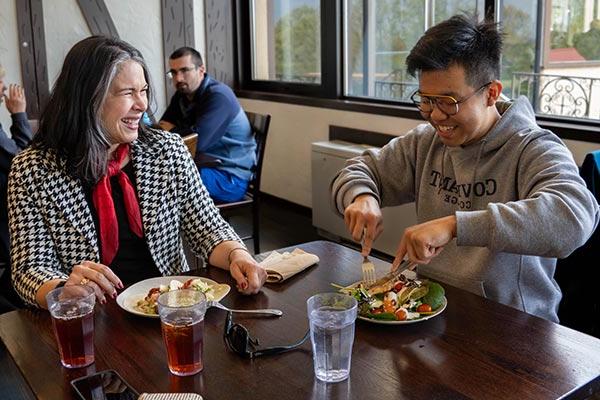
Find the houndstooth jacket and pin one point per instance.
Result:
(51, 224)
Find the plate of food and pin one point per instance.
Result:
(397, 299)
(140, 298)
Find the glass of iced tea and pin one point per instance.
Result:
(72, 311)
(182, 321)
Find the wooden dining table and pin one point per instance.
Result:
(474, 349)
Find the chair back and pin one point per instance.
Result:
(260, 128)
(577, 275)
(191, 141)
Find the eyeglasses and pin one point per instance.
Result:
(172, 73)
(238, 339)
(446, 104)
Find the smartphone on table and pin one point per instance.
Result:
(104, 385)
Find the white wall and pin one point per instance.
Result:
(580, 149)
(286, 168)
(61, 36)
(199, 28)
(139, 23)
(9, 52)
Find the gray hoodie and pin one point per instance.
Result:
(516, 193)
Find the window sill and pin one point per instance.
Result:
(583, 130)
(368, 107)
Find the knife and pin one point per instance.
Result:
(394, 275)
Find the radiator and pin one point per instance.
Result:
(327, 159)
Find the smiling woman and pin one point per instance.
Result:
(100, 199)
(125, 104)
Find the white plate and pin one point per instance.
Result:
(130, 296)
(410, 321)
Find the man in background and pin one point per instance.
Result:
(20, 138)
(209, 108)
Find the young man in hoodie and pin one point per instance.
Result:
(498, 198)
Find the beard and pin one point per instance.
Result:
(183, 88)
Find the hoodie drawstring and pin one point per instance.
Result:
(441, 185)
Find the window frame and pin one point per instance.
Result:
(329, 93)
(547, 28)
(330, 52)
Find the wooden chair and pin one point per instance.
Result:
(191, 141)
(260, 128)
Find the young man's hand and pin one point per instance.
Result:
(424, 241)
(364, 221)
(15, 100)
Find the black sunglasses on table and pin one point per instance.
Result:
(238, 339)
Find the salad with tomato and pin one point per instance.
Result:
(404, 300)
(148, 304)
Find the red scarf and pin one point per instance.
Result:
(103, 201)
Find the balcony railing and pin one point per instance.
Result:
(394, 87)
(569, 96)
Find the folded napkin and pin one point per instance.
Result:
(280, 266)
(170, 396)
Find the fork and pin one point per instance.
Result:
(368, 268)
(270, 311)
(368, 271)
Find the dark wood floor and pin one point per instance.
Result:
(282, 224)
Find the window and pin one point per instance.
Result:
(520, 56)
(356, 49)
(564, 78)
(379, 36)
(287, 40)
(573, 32)
(289, 46)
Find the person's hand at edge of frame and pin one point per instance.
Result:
(15, 100)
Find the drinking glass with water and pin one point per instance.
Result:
(332, 317)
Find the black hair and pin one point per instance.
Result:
(70, 123)
(185, 51)
(460, 40)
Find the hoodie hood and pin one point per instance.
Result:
(516, 117)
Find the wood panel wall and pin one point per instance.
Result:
(34, 64)
(98, 18)
(220, 33)
(178, 31)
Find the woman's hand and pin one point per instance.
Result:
(97, 276)
(250, 276)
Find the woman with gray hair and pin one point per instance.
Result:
(101, 199)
